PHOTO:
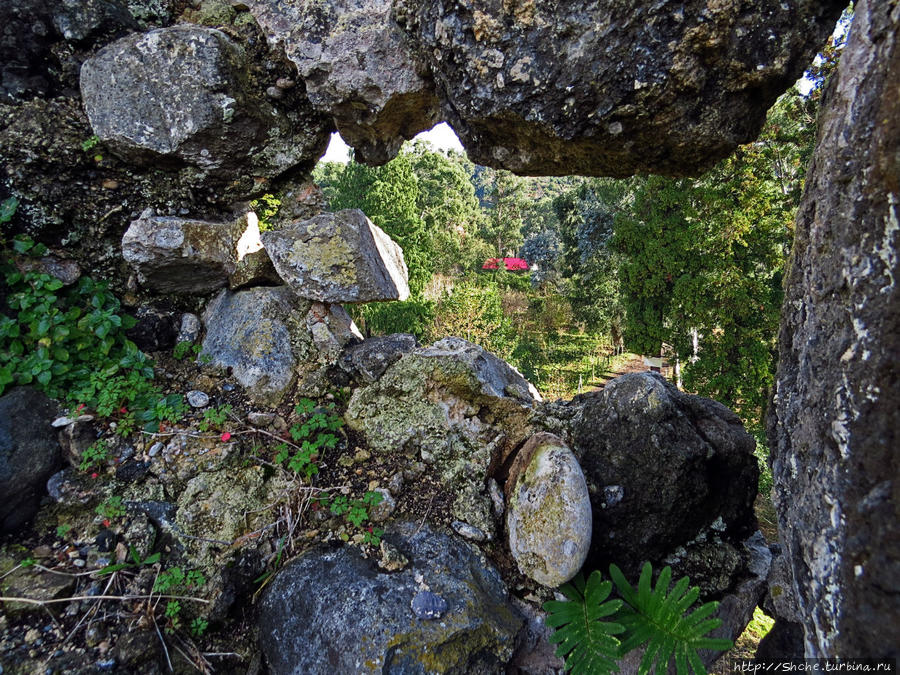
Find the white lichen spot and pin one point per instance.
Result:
(885, 249)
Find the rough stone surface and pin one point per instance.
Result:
(358, 66)
(222, 505)
(29, 454)
(612, 88)
(783, 641)
(834, 431)
(250, 332)
(457, 406)
(661, 466)
(77, 437)
(32, 32)
(339, 257)
(178, 255)
(36, 585)
(368, 360)
(549, 516)
(331, 610)
(781, 600)
(270, 339)
(182, 94)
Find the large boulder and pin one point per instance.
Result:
(459, 408)
(272, 340)
(332, 611)
(183, 95)
(358, 66)
(549, 516)
(835, 421)
(612, 88)
(29, 454)
(339, 257)
(663, 468)
(179, 255)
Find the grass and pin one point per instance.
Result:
(745, 646)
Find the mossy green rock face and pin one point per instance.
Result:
(339, 257)
(223, 505)
(459, 407)
(333, 611)
(549, 516)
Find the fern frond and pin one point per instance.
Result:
(656, 618)
(587, 643)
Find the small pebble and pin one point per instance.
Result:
(155, 448)
(228, 387)
(78, 562)
(197, 399)
(427, 605)
(383, 509)
(285, 83)
(362, 456)
(345, 461)
(415, 470)
(395, 483)
(274, 92)
(32, 636)
(260, 419)
(468, 531)
(189, 330)
(391, 559)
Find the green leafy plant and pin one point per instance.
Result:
(372, 535)
(71, 341)
(587, 643)
(650, 616)
(134, 562)
(63, 530)
(112, 507)
(175, 578)
(94, 456)
(169, 408)
(214, 417)
(182, 349)
(90, 143)
(356, 512)
(199, 626)
(173, 621)
(313, 435)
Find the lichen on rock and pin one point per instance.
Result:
(458, 407)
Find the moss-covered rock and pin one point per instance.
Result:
(457, 406)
